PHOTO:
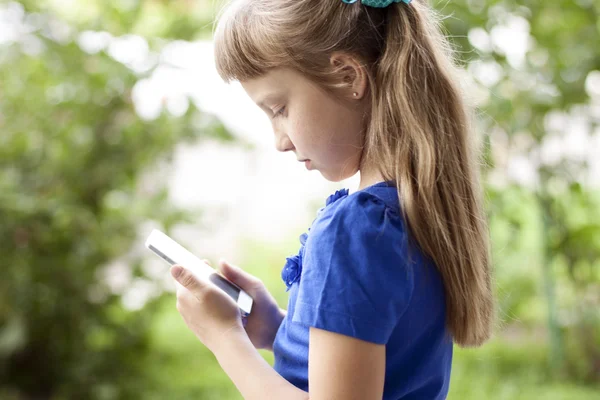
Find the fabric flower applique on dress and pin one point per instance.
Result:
(336, 196)
(293, 267)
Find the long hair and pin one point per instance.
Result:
(418, 130)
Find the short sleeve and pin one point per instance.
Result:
(356, 280)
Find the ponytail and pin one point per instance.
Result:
(420, 133)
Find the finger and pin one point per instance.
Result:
(239, 276)
(179, 301)
(178, 286)
(182, 292)
(186, 279)
(183, 298)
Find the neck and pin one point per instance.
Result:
(369, 175)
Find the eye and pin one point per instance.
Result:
(279, 112)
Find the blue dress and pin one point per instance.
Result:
(357, 274)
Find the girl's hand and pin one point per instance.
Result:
(266, 316)
(208, 311)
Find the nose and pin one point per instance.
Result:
(283, 143)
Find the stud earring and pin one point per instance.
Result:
(355, 94)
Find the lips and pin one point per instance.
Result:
(306, 162)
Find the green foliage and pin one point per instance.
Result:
(164, 19)
(72, 154)
(510, 370)
(73, 195)
(523, 93)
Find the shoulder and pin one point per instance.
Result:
(361, 212)
(357, 276)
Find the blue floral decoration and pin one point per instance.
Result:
(293, 267)
(336, 196)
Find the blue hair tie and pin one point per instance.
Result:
(377, 3)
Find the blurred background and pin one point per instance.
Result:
(113, 122)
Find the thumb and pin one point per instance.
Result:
(185, 277)
(238, 276)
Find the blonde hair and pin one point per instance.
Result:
(418, 132)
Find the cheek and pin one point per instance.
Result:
(322, 123)
(334, 132)
(302, 131)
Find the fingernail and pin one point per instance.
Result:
(176, 271)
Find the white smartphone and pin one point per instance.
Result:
(173, 253)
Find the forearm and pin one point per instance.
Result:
(251, 374)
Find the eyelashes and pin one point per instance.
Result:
(279, 112)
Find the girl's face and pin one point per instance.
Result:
(306, 120)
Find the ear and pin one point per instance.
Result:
(352, 73)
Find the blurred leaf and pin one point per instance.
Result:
(74, 154)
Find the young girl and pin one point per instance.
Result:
(388, 277)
